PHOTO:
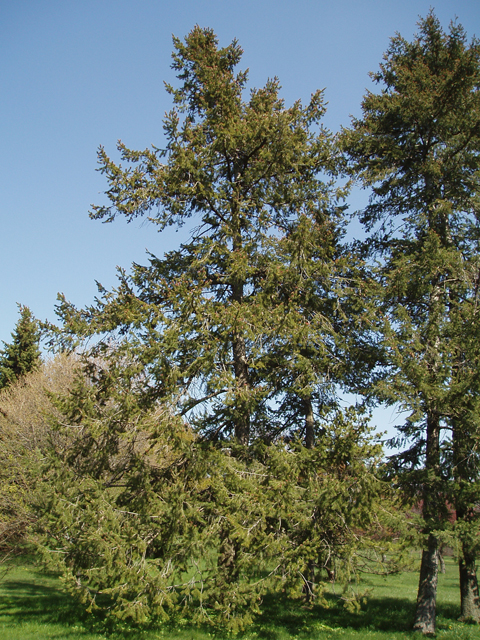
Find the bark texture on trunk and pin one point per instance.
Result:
(309, 577)
(469, 597)
(309, 424)
(470, 603)
(228, 557)
(240, 367)
(425, 613)
(242, 413)
(441, 560)
(309, 583)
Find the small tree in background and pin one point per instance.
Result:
(22, 355)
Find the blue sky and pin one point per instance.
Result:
(75, 75)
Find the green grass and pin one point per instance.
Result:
(34, 607)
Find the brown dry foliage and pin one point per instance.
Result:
(26, 412)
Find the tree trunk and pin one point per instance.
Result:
(242, 413)
(309, 583)
(228, 558)
(309, 577)
(441, 560)
(432, 509)
(469, 597)
(470, 604)
(309, 424)
(240, 367)
(427, 589)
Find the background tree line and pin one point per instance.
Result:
(201, 456)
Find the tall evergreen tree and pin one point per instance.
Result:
(22, 355)
(235, 336)
(417, 147)
(206, 320)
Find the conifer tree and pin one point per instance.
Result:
(206, 319)
(147, 521)
(175, 492)
(417, 147)
(22, 355)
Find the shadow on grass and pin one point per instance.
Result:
(37, 601)
(282, 618)
(26, 601)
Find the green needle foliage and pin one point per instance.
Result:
(179, 484)
(145, 521)
(238, 320)
(418, 148)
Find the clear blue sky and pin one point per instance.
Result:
(74, 75)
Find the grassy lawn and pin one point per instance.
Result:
(34, 607)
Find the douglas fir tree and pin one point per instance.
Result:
(417, 147)
(181, 483)
(212, 320)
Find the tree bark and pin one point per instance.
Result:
(469, 596)
(309, 583)
(242, 413)
(441, 560)
(470, 603)
(240, 367)
(309, 577)
(425, 614)
(228, 558)
(309, 424)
